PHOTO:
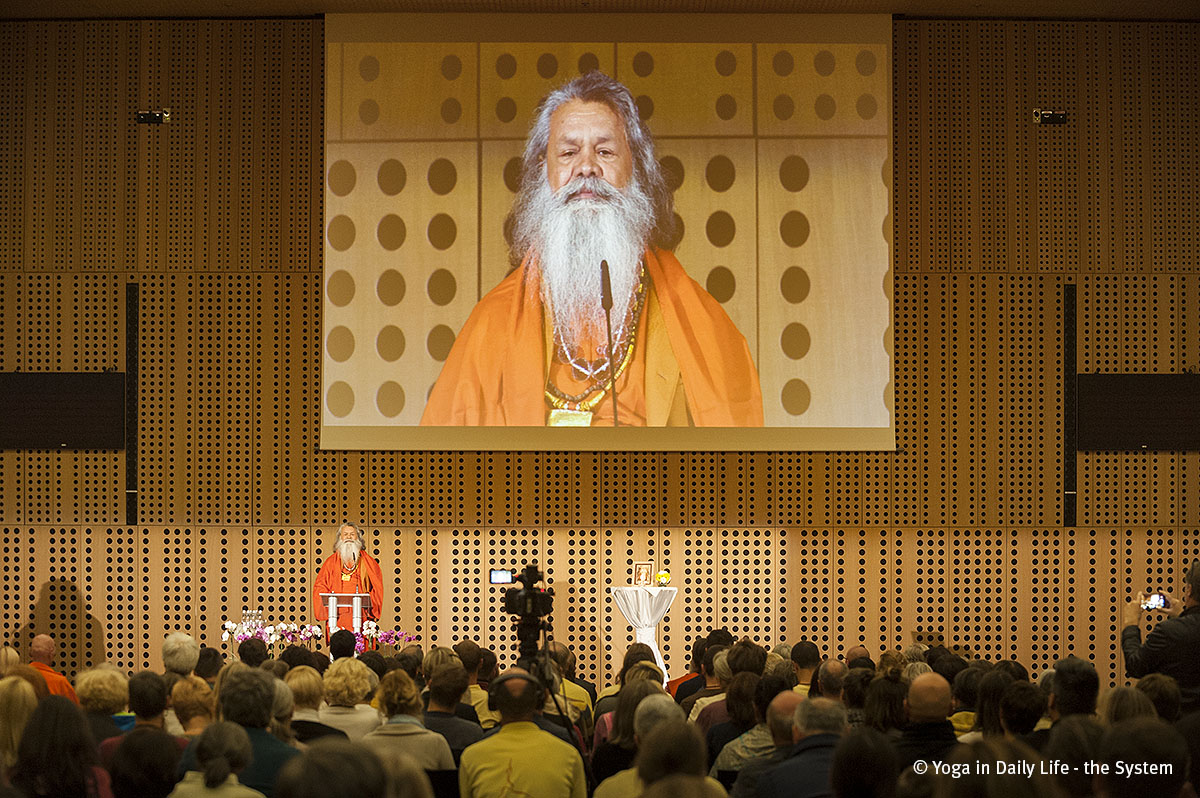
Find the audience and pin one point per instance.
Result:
(41, 657)
(1171, 646)
(333, 768)
(404, 730)
(253, 651)
(102, 693)
(470, 656)
(1021, 708)
(148, 702)
(1072, 690)
(757, 741)
(446, 689)
(864, 765)
(671, 747)
(606, 701)
(987, 705)
(1143, 741)
(347, 685)
(208, 664)
(56, 756)
(1012, 769)
(1122, 703)
(806, 658)
(194, 705)
(883, 709)
(308, 693)
(1074, 741)
(739, 708)
(1163, 691)
(780, 713)
(817, 725)
(619, 750)
(929, 735)
(222, 752)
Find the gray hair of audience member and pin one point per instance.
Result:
(223, 748)
(820, 716)
(831, 676)
(332, 768)
(914, 669)
(1144, 740)
(864, 764)
(406, 778)
(1074, 741)
(282, 709)
(915, 652)
(682, 785)
(180, 653)
(671, 747)
(247, 697)
(784, 650)
(653, 710)
(785, 671)
(721, 667)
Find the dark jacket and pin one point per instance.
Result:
(805, 773)
(1173, 648)
(929, 741)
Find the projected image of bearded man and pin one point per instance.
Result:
(536, 349)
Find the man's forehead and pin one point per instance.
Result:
(575, 118)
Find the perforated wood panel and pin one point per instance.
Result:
(959, 533)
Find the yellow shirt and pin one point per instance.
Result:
(521, 760)
(626, 784)
(478, 698)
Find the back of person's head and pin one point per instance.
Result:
(708, 664)
(884, 707)
(746, 656)
(223, 748)
(765, 691)
(1075, 687)
(101, 691)
(739, 700)
(246, 697)
(143, 766)
(17, 703)
(780, 716)
(1006, 775)
(854, 687)
(915, 652)
(987, 703)
(682, 785)
(891, 662)
(1014, 669)
(698, 645)
(406, 778)
(191, 698)
(644, 671)
(208, 663)
(721, 667)
(671, 747)
(56, 753)
(965, 687)
(410, 663)
(283, 706)
(1021, 707)
(347, 682)
(147, 694)
(720, 637)
(864, 765)
(342, 644)
(915, 785)
(805, 655)
(638, 652)
(831, 675)
(861, 662)
(914, 669)
(1074, 741)
(628, 700)
(819, 716)
(296, 655)
(1143, 740)
(180, 653)
(517, 694)
(308, 688)
(332, 768)
(438, 657)
(1163, 691)
(1122, 703)
(447, 685)
(470, 655)
(374, 661)
(398, 695)
(252, 651)
(654, 709)
(948, 667)
(9, 657)
(489, 665)
(928, 698)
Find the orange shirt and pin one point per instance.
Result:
(56, 682)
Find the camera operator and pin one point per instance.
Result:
(1173, 646)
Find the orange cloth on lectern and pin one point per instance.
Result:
(329, 580)
(496, 372)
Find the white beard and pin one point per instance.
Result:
(572, 236)
(349, 551)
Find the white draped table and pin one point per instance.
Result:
(644, 607)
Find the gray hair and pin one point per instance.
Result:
(653, 710)
(180, 653)
(647, 173)
(820, 716)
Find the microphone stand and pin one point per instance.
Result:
(606, 302)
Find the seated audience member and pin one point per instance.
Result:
(447, 686)
(929, 735)
(148, 701)
(41, 657)
(245, 697)
(724, 675)
(717, 638)
(694, 670)
(342, 644)
(1072, 691)
(607, 700)
(9, 657)
(1122, 703)
(817, 725)
(780, 713)
(282, 708)
(739, 707)
(806, 658)
(519, 753)
(1163, 691)
(1172, 644)
(914, 669)
(1012, 769)
(987, 706)
(1013, 669)
(222, 752)
(180, 653)
(102, 693)
(252, 652)
(854, 695)
(564, 657)
(864, 764)
(333, 768)
(618, 751)
(671, 748)
(56, 756)
(275, 667)
(1074, 741)
(831, 677)
(638, 672)
(1021, 707)
(712, 684)
(489, 668)
(308, 691)
(192, 700)
(404, 731)
(144, 764)
(682, 785)
(915, 653)
(568, 697)
(743, 657)
(651, 711)
(1146, 741)
(440, 657)
(17, 703)
(208, 664)
(347, 683)
(470, 655)
(964, 695)
(948, 667)
(296, 655)
(883, 709)
(374, 661)
(757, 741)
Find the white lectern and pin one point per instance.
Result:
(355, 602)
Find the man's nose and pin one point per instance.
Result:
(587, 167)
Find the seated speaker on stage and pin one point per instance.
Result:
(349, 569)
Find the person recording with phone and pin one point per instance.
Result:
(1173, 646)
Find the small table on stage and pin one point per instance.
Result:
(644, 607)
(355, 602)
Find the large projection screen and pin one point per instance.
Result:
(775, 134)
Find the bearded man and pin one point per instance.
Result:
(535, 350)
(349, 570)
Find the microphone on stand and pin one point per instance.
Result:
(606, 302)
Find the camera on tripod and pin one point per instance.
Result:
(530, 604)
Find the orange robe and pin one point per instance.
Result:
(55, 681)
(496, 372)
(329, 580)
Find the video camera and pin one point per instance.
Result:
(530, 604)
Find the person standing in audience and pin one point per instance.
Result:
(929, 735)
(56, 756)
(1173, 646)
(308, 691)
(222, 751)
(103, 691)
(404, 731)
(817, 725)
(347, 683)
(446, 689)
(41, 657)
(520, 755)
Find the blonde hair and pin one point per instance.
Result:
(347, 682)
(307, 688)
(398, 694)
(914, 669)
(192, 697)
(438, 658)
(643, 672)
(17, 702)
(102, 691)
(9, 656)
(222, 675)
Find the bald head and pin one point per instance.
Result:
(856, 652)
(516, 695)
(928, 698)
(779, 716)
(42, 649)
